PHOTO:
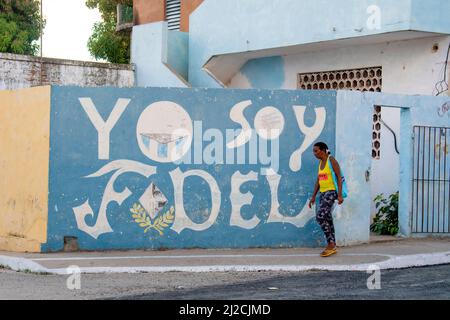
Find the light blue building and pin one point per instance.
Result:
(267, 44)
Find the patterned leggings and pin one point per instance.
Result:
(323, 215)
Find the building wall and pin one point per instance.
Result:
(409, 67)
(235, 26)
(24, 166)
(234, 32)
(111, 175)
(20, 71)
(102, 191)
(177, 55)
(187, 7)
(148, 11)
(354, 113)
(154, 51)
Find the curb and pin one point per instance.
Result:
(393, 262)
(22, 264)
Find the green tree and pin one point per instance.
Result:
(20, 24)
(105, 42)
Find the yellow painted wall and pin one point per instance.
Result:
(24, 166)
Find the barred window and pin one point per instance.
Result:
(173, 13)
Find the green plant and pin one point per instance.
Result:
(386, 219)
(20, 24)
(39, 273)
(105, 42)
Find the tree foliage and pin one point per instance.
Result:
(105, 42)
(20, 24)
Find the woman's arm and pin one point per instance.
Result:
(316, 189)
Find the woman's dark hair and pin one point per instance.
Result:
(322, 146)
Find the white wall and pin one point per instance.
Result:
(409, 67)
(22, 71)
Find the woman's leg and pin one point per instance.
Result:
(324, 216)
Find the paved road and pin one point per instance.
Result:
(414, 283)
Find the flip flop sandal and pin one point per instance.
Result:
(328, 252)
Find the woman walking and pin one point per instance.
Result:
(328, 194)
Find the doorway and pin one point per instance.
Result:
(385, 167)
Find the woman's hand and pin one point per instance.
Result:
(340, 200)
(311, 202)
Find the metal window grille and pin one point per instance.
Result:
(363, 79)
(173, 13)
(431, 180)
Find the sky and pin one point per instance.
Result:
(68, 27)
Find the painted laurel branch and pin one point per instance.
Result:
(162, 221)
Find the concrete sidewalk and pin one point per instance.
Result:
(386, 253)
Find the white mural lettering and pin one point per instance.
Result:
(275, 216)
(110, 195)
(166, 133)
(103, 128)
(237, 115)
(182, 221)
(311, 134)
(238, 200)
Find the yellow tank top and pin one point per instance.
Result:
(325, 178)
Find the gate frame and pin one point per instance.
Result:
(406, 155)
(422, 234)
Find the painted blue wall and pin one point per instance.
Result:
(353, 139)
(265, 73)
(178, 52)
(431, 16)
(152, 49)
(354, 152)
(74, 155)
